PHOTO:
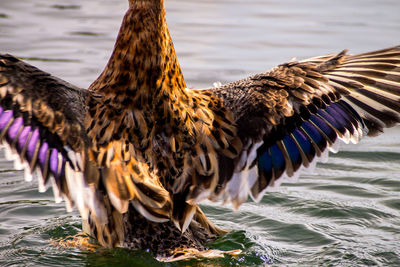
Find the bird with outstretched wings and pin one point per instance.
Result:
(138, 151)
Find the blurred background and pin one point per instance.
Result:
(347, 212)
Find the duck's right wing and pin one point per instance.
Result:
(41, 124)
(288, 117)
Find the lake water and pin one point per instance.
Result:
(346, 213)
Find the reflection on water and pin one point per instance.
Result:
(347, 212)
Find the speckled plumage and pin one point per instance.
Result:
(162, 129)
(138, 151)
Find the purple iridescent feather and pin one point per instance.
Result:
(54, 162)
(5, 118)
(23, 137)
(32, 144)
(14, 128)
(43, 154)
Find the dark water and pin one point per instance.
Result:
(346, 213)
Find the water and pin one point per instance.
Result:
(346, 213)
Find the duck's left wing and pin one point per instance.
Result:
(295, 113)
(41, 126)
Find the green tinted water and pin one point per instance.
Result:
(347, 212)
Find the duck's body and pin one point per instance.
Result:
(138, 151)
(141, 99)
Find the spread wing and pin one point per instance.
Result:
(295, 113)
(41, 124)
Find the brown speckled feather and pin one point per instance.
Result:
(155, 139)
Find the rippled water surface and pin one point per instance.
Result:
(347, 212)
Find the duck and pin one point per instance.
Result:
(138, 151)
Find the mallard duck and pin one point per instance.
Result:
(138, 151)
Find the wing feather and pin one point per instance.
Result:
(299, 110)
(41, 122)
